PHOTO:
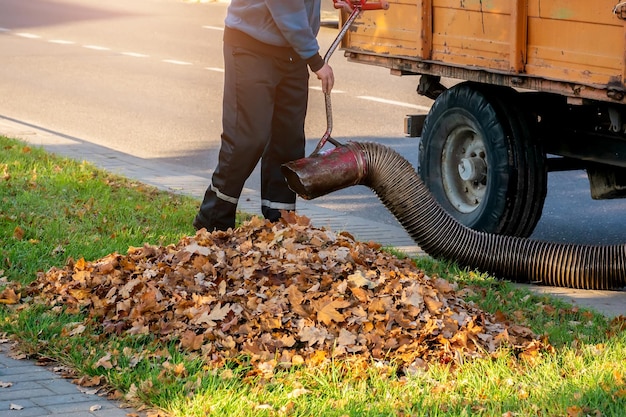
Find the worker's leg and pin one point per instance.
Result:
(249, 80)
(287, 140)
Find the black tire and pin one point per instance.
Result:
(530, 159)
(503, 186)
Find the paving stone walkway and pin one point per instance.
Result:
(29, 390)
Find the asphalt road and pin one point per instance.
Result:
(145, 78)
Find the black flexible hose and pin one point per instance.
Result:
(440, 235)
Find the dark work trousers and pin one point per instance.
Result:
(264, 107)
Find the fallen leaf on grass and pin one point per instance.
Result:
(191, 341)
(298, 392)
(88, 381)
(574, 411)
(104, 362)
(18, 233)
(9, 296)
(89, 391)
(17, 355)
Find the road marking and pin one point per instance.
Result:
(61, 42)
(28, 35)
(215, 69)
(97, 47)
(135, 54)
(395, 103)
(176, 62)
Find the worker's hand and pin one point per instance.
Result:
(325, 74)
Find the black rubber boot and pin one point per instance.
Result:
(215, 213)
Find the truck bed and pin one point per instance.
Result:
(571, 47)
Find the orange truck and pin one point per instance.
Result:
(533, 86)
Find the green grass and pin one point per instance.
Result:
(53, 209)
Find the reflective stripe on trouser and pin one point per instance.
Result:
(265, 103)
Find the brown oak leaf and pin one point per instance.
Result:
(313, 335)
(327, 310)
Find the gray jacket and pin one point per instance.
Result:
(285, 23)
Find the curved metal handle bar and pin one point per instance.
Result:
(329, 113)
(342, 33)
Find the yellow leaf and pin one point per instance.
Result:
(80, 265)
(318, 357)
(360, 280)
(360, 294)
(5, 173)
(328, 311)
(8, 296)
(179, 369)
(79, 294)
(619, 378)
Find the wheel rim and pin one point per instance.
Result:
(464, 169)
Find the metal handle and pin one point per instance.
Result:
(357, 6)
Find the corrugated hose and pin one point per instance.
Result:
(440, 235)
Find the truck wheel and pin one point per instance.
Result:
(476, 159)
(531, 174)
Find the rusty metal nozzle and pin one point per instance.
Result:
(326, 171)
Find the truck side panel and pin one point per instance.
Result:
(394, 32)
(578, 42)
(472, 33)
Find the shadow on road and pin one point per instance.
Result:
(39, 13)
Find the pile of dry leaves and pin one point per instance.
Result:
(284, 291)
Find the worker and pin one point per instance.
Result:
(269, 46)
